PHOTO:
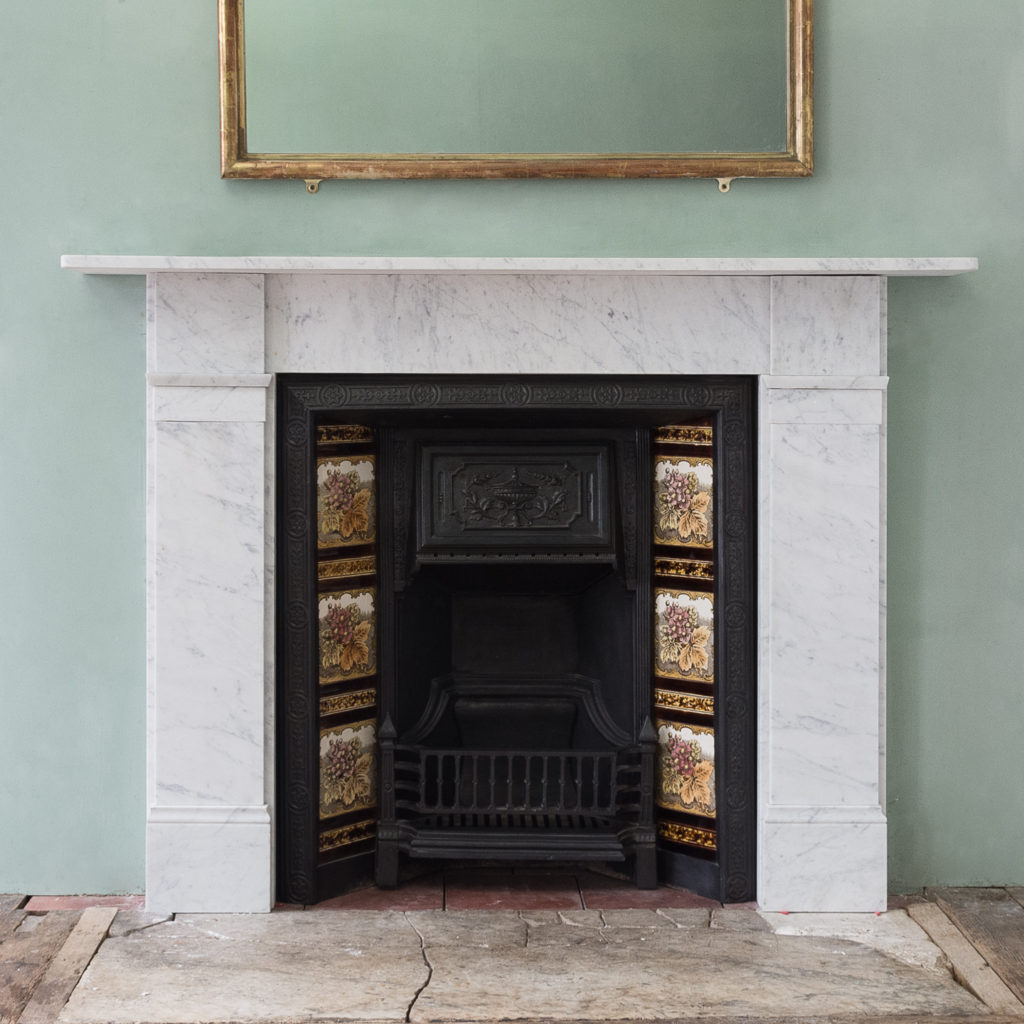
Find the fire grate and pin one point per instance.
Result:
(533, 801)
(527, 785)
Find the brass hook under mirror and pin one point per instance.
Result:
(322, 89)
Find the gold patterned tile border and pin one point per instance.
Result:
(691, 835)
(684, 435)
(691, 702)
(347, 702)
(344, 568)
(347, 835)
(343, 433)
(685, 568)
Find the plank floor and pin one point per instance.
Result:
(26, 954)
(992, 920)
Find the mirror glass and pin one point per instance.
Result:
(515, 76)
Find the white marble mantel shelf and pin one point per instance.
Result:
(661, 267)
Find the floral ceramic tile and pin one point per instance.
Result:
(684, 635)
(686, 768)
(348, 635)
(348, 768)
(683, 511)
(346, 508)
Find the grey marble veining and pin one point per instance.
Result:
(516, 324)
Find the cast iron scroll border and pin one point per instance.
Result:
(641, 401)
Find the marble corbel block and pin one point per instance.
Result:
(828, 325)
(205, 323)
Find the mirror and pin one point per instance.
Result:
(317, 89)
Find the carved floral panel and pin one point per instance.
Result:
(501, 495)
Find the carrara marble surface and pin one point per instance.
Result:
(219, 329)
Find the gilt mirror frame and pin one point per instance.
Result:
(797, 160)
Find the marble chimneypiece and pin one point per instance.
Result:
(812, 331)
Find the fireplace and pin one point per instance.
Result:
(810, 332)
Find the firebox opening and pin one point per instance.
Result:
(513, 629)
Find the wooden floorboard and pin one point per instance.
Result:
(9, 923)
(843, 1018)
(10, 901)
(26, 955)
(993, 921)
(969, 966)
(67, 966)
(1017, 892)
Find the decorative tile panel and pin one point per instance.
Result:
(697, 436)
(348, 635)
(684, 635)
(688, 835)
(686, 568)
(347, 568)
(686, 768)
(683, 506)
(348, 769)
(340, 703)
(346, 509)
(343, 433)
(347, 835)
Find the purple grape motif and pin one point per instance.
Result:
(340, 489)
(680, 489)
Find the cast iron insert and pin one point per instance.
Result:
(513, 733)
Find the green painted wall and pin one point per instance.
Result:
(533, 76)
(108, 131)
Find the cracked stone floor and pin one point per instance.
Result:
(432, 965)
(513, 946)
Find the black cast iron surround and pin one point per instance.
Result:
(382, 401)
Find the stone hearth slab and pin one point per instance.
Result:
(483, 966)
